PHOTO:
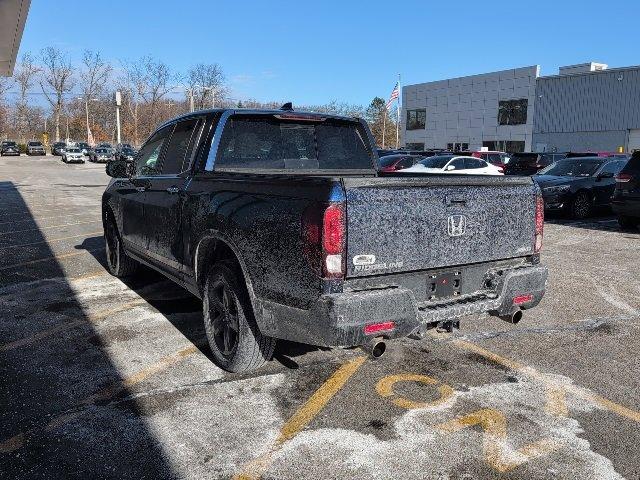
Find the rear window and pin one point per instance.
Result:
(265, 142)
(35, 144)
(524, 159)
(436, 161)
(389, 160)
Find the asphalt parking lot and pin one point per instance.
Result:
(105, 379)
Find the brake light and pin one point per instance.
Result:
(624, 178)
(539, 224)
(520, 299)
(333, 240)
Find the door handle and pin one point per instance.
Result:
(173, 190)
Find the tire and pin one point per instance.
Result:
(628, 223)
(118, 262)
(234, 338)
(581, 206)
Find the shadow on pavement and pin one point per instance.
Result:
(50, 427)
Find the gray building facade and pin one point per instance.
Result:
(492, 110)
(588, 109)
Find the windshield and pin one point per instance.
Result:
(266, 142)
(575, 167)
(73, 150)
(9, 144)
(127, 151)
(35, 144)
(389, 160)
(102, 150)
(435, 162)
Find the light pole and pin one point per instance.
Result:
(118, 101)
(86, 111)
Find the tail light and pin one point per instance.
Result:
(539, 224)
(624, 178)
(324, 237)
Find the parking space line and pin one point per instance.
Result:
(54, 257)
(302, 417)
(17, 441)
(52, 240)
(385, 389)
(52, 226)
(35, 219)
(98, 316)
(581, 392)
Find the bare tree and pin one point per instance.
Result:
(57, 74)
(133, 85)
(206, 84)
(94, 76)
(25, 76)
(160, 80)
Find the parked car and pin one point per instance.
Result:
(626, 197)
(58, 148)
(101, 155)
(524, 163)
(9, 148)
(392, 163)
(575, 186)
(123, 146)
(281, 223)
(73, 155)
(104, 145)
(127, 154)
(35, 148)
(84, 148)
(455, 164)
(499, 159)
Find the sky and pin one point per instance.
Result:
(312, 52)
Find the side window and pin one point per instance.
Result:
(494, 158)
(179, 147)
(473, 163)
(406, 162)
(458, 164)
(147, 158)
(612, 167)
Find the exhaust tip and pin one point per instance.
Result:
(516, 316)
(378, 349)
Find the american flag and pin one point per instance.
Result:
(394, 95)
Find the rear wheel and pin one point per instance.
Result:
(581, 206)
(235, 340)
(119, 263)
(628, 223)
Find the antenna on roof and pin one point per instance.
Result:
(287, 106)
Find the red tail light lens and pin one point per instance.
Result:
(624, 178)
(520, 299)
(539, 224)
(333, 241)
(379, 327)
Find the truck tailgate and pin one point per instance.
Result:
(406, 224)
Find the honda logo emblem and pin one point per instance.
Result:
(456, 225)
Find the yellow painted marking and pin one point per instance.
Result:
(302, 417)
(52, 240)
(17, 441)
(86, 276)
(494, 445)
(98, 316)
(385, 389)
(52, 226)
(583, 393)
(556, 401)
(55, 257)
(36, 219)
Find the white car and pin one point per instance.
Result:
(454, 164)
(72, 155)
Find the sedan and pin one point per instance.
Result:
(73, 155)
(576, 186)
(454, 164)
(101, 155)
(393, 163)
(9, 148)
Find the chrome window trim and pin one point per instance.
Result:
(215, 143)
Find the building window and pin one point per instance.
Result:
(512, 112)
(489, 145)
(510, 146)
(415, 146)
(416, 119)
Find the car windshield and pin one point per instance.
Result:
(35, 144)
(436, 162)
(9, 144)
(102, 150)
(127, 151)
(73, 150)
(574, 167)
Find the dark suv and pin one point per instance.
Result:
(9, 148)
(626, 197)
(530, 163)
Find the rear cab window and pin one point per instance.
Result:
(293, 143)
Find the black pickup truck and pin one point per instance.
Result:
(281, 223)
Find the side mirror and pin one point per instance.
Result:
(117, 169)
(450, 167)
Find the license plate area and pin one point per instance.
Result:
(443, 285)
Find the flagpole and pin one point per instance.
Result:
(398, 115)
(384, 124)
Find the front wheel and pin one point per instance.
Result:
(119, 263)
(581, 206)
(235, 340)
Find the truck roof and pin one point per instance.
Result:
(199, 113)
